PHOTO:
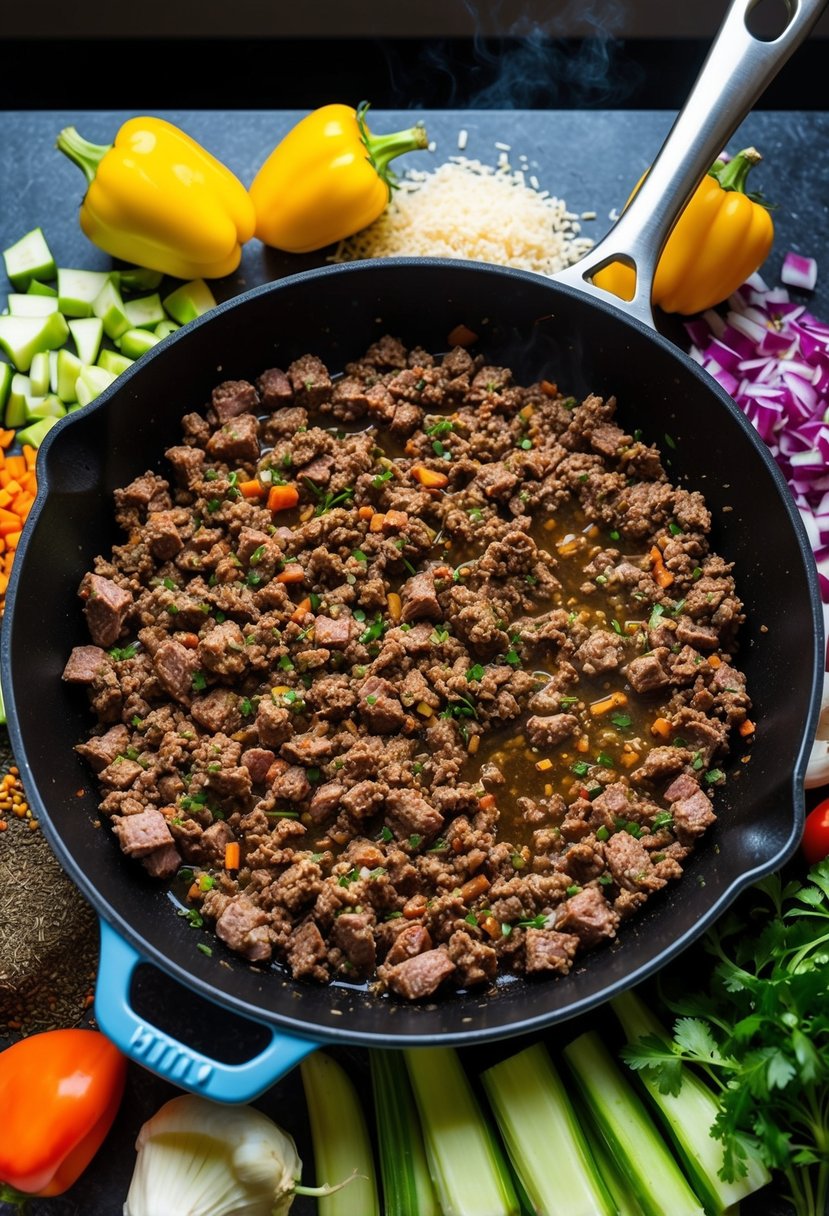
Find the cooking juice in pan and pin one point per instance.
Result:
(410, 676)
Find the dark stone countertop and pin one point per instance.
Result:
(589, 158)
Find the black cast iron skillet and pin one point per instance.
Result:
(561, 332)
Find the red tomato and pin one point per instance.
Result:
(815, 843)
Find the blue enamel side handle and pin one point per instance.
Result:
(164, 1055)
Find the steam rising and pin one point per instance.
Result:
(528, 67)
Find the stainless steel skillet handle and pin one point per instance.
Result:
(737, 71)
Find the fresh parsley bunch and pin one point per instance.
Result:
(760, 1032)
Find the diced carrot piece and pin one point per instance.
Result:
(395, 519)
(251, 489)
(282, 498)
(12, 539)
(605, 704)
(661, 574)
(232, 857)
(395, 605)
(299, 612)
(475, 887)
(461, 335)
(291, 574)
(5, 497)
(428, 478)
(661, 727)
(549, 388)
(29, 455)
(365, 512)
(487, 802)
(629, 759)
(5, 438)
(377, 520)
(746, 728)
(190, 640)
(4, 582)
(16, 465)
(714, 661)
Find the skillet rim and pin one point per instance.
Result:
(467, 1037)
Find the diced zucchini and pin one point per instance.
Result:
(407, 1185)
(22, 337)
(79, 289)
(88, 334)
(109, 306)
(25, 305)
(465, 1161)
(91, 383)
(36, 288)
(44, 407)
(40, 374)
(189, 301)
(688, 1117)
(19, 392)
(36, 432)
(114, 362)
(532, 1111)
(139, 278)
(165, 329)
(29, 258)
(146, 312)
(69, 368)
(53, 370)
(6, 377)
(634, 1142)
(340, 1138)
(136, 342)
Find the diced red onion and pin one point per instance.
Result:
(799, 271)
(772, 355)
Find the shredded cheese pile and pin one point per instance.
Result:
(466, 209)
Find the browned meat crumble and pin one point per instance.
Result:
(460, 708)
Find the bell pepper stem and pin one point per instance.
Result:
(733, 174)
(384, 148)
(85, 155)
(17, 1199)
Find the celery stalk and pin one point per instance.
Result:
(407, 1185)
(631, 1137)
(688, 1117)
(467, 1166)
(341, 1144)
(532, 1111)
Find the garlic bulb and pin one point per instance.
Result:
(200, 1158)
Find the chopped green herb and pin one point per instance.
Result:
(415, 840)
(136, 721)
(604, 760)
(602, 833)
(374, 631)
(359, 556)
(696, 573)
(669, 439)
(192, 916)
(475, 673)
(313, 774)
(442, 427)
(417, 768)
(677, 608)
(581, 768)
(121, 653)
(205, 949)
(662, 819)
(621, 720)
(568, 700)
(526, 444)
(286, 663)
(439, 845)
(513, 658)
(536, 922)
(656, 615)
(438, 635)
(199, 682)
(382, 478)
(614, 535)
(617, 628)
(698, 761)
(605, 880)
(573, 889)
(675, 529)
(476, 514)
(386, 834)
(213, 505)
(245, 707)
(714, 775)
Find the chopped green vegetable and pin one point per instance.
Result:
(189, 301)
(340, 1137)
(535, 1115)
(22, 337)
(29, 258)
(136, 342)
(31, 305)
(467, 1167)
(88, 333)
(653, 1175)
(109, 308)
(407, 1186)
(146, 312)
(78, 290)
(688, 1111)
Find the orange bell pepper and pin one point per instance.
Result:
(59, 1094)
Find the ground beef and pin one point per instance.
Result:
(459, 708)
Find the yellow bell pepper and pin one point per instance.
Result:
(159, 199)
(328, 178)
(721, 238)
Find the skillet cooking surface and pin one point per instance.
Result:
(541, 330)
